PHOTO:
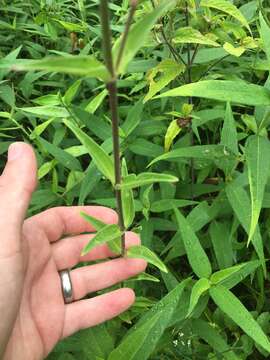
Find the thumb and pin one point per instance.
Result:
(17, 183)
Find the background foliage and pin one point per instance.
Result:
(209, 62)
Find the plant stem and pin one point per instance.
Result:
(112, 89)
(106, 36)
(133, 5)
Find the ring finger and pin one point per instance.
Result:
(96, 277)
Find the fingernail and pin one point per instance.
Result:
(15, 151)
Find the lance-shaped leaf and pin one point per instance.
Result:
(138, 34)
(61, 156)
(143, 337)
(240, 203)
(235, 274)
(143, 252)
(257, 153)
(212, 336)
(169, 204)
(209, 152)
(265, 35)
(74, 65)
(132, 181)
(96, 223)
(197, 257)
(105, 235)
(227, 7)
(188, 35)
(229, 132)
(231, 306)
(166, 71)
(223, 90)
(102, 160)
(127, 200)
(171, 133)
(200, 287)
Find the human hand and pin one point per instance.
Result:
(33, 314)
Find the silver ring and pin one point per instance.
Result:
(66, 286)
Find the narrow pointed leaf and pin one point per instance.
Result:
(235, 274)
(127, 201)
(188, 35)
(197, 257)
(74, 65)
(210, 152)
(102, 160)
(143, 252)
(141, 339)
(132, 181)
(97, 224)
(200, 287)
(105, 235)
(212, 336)
(229, 132)
(138, 34)
(227, 7)
(231, 306)
(258, 164)
(223, 90)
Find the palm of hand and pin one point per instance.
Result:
(43, 318)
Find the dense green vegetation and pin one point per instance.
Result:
(194, 107)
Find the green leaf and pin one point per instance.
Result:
(133, 118)
(169, 204)
(223, 90)
(97, 224)
(231, 306)
(200, 287)
(188, 35)
(196, 255)
(258, 164)
(171, 133)
(127, 200)
(143, 252)
(229, 132)
(142, 338)
(265, 35)
(240, 203)
(138, 34)
(222, 244)
(102, 160)
(61, 156)
(47, 111)
(210, 152)
(161, 75)
(132, 181)
(72, 92)
(233, 275)
(73, 65)
(95, 103)
(227, 7)
(235, 51)
(106, 234)
(212, 336)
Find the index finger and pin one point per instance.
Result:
(64, 220)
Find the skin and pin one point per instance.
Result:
(33, 314)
